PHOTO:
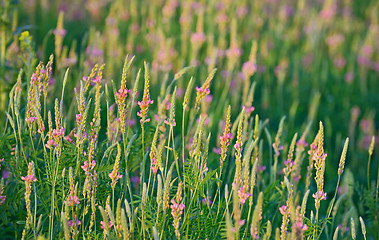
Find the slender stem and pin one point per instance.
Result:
(316, 221)
(223, 216)
(368, 172)
(183, 144)
(78, 159)
(148, 182)
(126, 166)
(248, 220)
(52, 212)
(331, 208)
(35, 211)
(31, 139)
(168, 151)
(163, 225)
(113, 199)
(143, 160)
(175, 155)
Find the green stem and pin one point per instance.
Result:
(173, 150)
(126, 166)
(316, 222)
(35, 212)
(113, 199)
(168, 151)
(143, 160)
(183, 144)
(331, 208)
(368, 172)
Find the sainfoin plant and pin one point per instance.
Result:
(189, 120)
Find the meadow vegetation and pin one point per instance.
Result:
(173, 119)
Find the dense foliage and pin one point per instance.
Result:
(206, 119)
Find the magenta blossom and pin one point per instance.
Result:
(72, 201)
(60, 32)
(216, 150)
(206, 201)
(243, 195)
(29, 178)
(198, 38)
(249, 68)
(283, 209)
(103, 224)
(321, 195)
(203, 90)
(75, 223)
(88, 166)
(248, 109)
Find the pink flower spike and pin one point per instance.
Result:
(283, 209)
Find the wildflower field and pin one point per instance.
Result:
(182, 119)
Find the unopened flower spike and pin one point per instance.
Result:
(146, 101)
(238, 153)
(171, 120)
(154, 154)
(177, 208)
(114, 175)
(203, 91)
(225, 138)
(319, 158)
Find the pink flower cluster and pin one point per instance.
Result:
(2, 199)
(248, 109)
(79, 118)
(167, 121)
(122, 93)
(243, 195)
(29, 178)
(176, 208)
(319, 195)
(328, 12)
(144, 105)
(96, 80)
(277, 149)
(238, 146)
(30, 120)
(202, 90)
(88, 166)
(302, 143)
(56, 134)
(103, 224)
(319, 156)
(300, 226)
(154, 166)
(114, 175)
(312, 150)
(84, 135)
(261, 168)
(206, 201)
(234, 52)
(224, 139)
(72, 201)
(288, 167)
(60, 32)
(198, 38)
(249, 68)
(284, 210)
(74, 224)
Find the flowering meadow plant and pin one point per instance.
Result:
(173, 119)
